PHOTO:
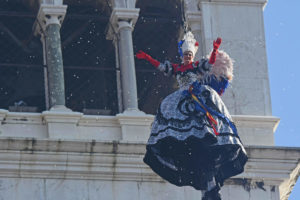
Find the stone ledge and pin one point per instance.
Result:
(22, 118)
(128, 126)
(112, 160)
(257, 121)
(61, 117)
(67, 145)
(287, 186)
(261, 2)
(256, 130)
(98, 121)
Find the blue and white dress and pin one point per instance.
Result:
(193, 140)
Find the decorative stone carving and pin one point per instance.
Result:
(49, 14)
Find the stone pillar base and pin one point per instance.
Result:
(135, 125)
(62, 122)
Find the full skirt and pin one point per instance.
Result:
(184, 149)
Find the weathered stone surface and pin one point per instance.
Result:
(67, 169)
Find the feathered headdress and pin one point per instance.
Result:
(188, 43)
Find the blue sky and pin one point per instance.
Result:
(282, 29)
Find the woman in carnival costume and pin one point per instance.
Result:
(193, 140)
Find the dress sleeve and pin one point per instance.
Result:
(218, 84)
(167, 68)
(203, 66)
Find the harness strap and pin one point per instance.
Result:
(211, 119)
(209, 112)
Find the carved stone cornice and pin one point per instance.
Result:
(194, 19)
(256, 130)
(129, 15)
(262, 2)
(49, 14)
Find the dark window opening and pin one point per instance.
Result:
(156, 32)
(89, 60)
(21, 60)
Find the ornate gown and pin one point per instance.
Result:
(193, 140)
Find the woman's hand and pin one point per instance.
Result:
(216, 45)
(141, 55)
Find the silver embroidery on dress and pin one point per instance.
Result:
(186, 80)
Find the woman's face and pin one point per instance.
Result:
(187, 57)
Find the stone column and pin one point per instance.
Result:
(127, 66)
(120, 29)
(248, 98)
(60, 121)
(194, 21)
(135, 124)
(193, 18)
(48, 25)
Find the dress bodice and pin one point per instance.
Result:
(186, 79)
(187, 74)
(198, 71)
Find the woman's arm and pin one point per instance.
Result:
(166, 67)
(144, 56)
(205, 65)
